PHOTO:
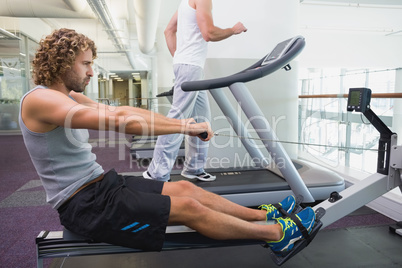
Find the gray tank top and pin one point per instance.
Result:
(62, 158)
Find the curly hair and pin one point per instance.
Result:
(56, 54)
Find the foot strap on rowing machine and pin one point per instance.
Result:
(297, 209)
(280, 258)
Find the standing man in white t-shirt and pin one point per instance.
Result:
(187, 34)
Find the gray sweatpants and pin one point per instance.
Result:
(195, 105)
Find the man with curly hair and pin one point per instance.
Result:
(122, 210)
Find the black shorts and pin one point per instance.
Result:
(121, 210)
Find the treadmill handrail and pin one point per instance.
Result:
(253, 72)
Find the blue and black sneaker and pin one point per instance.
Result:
(288, 204)
(291, 232)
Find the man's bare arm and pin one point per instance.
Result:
(209, 31)
(170, 34)
(56, 109)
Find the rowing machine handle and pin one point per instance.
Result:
(203, 135)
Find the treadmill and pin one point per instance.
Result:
(252, 186)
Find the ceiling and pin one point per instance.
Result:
(115, 26)
(126, 43)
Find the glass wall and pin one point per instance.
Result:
(16, 53)
(331, 135)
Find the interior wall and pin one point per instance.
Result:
(267, 23)
(335, 43)
(351, 50)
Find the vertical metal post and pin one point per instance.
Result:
(270, 140)
(220, 98)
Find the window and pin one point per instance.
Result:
(327, 131)
(15, 58)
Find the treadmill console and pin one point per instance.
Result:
(282, 54)
(359, 99)
(280, 50)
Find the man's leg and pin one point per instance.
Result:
(212, 201)
(167, 146)
(164, 156)
(218, 218)
(218, 225)
(196, 149)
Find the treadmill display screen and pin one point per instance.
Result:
(279, 50)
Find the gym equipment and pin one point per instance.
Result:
(251, 186)
(143, 148)
(389, 165)
(387, 177)
(396, 228)
(338, 205)
(58, 244)
(65, 244)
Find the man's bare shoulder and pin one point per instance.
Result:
(42, 96)
(201, 4)
(40, 107)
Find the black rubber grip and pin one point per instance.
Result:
(204, 135)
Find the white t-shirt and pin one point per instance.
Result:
(191, 48)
